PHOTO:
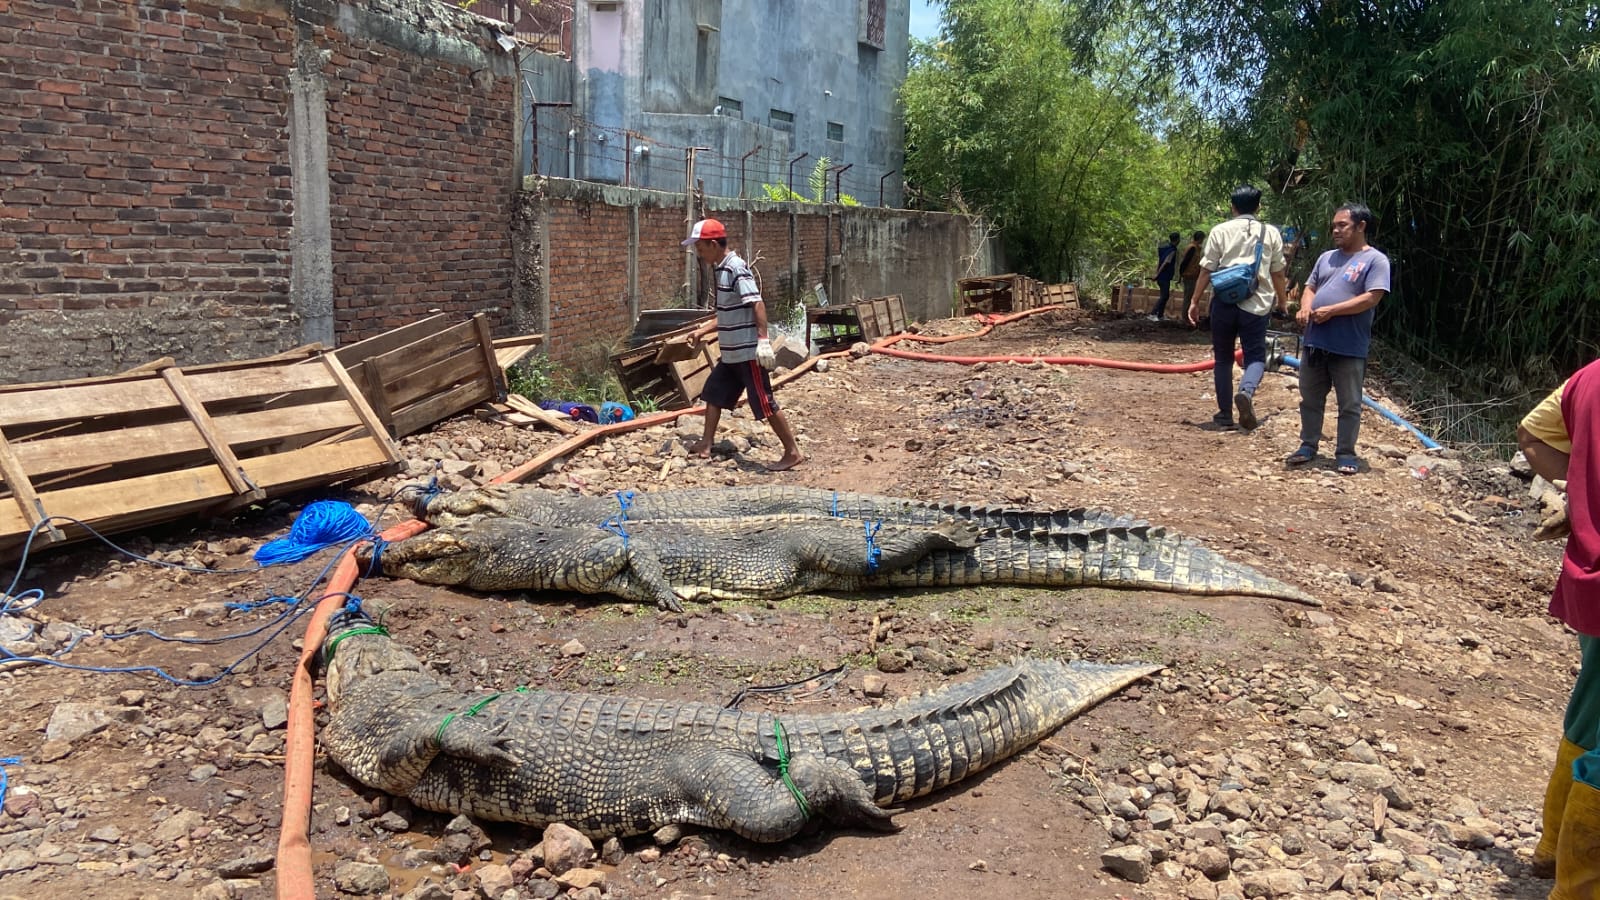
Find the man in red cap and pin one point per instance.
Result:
(747, 354)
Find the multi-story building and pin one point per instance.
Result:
(766, 87)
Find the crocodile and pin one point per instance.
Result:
(561, 508)
(753, 558)
(772, 557)
(614, 766)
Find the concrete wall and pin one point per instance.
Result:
(590, 256)
(215, 180)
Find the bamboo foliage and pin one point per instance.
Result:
(1470, 126)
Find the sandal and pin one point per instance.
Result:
(1347, 466)
(1300, 457)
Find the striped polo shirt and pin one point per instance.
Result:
(737, 295)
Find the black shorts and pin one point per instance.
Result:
(729, 381)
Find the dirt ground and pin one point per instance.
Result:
(1394, 743)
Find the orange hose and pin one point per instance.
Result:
(294, 871)
(294, 878)
(1166, 368)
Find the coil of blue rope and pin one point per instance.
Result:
(320, 525)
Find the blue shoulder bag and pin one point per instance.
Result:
(1234, 284)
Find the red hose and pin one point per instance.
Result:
(1166, 368)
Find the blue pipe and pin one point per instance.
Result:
(1382, 410)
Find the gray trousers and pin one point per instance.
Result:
(1320, 370)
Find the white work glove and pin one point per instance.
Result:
(764, 354)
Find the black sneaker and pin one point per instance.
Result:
(1247, 411)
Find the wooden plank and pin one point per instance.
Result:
(897, 314)
(352, 354)
(154, 365)
(434, 347)
(521, 404)
(243, 432)
(165, 495)
(418, 384)
(491, 365)
(374, 374)
(510, 351)
(26, 406)
(201, 420)
(100, 505)
(262, 381)
(363, 412)
(26, 502)
(440, 406)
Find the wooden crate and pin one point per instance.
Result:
(831, 328)
(418, 374)
(161, 442)
(1141, 300)
(667, 370)
(881, 317)
(1000, 294)
(1061, 294)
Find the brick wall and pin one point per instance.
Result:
(145, 199)
(588, 276)
(420, 164)
(661, 259)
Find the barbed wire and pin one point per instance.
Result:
(639, 159)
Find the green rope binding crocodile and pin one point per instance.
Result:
(613, 766)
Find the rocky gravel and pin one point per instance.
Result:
(1393, 743)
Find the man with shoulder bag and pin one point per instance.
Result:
(1243, 266)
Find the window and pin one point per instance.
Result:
(727, 106)
(835, 131)
(870, 23)
(781, 121)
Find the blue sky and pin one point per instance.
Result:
(924, 19)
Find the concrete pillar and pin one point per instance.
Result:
(633, 256)
(311, 244)
(794, 254)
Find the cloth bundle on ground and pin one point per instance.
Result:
(575, 410)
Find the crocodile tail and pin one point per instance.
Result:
(927, 742)
(1143, 556)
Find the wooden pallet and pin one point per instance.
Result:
(669, 370)
(1140, 300)
(832, 327)
(418, 374)
(1065, 294)
(999, 294)
(512, 350)
(161, 442)
(881, 317)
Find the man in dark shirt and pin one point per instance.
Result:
(1166, 267)
(1336, 309)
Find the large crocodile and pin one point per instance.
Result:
(612, 766)
(561, 508)
(767, 558)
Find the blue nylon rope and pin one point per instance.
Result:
(874, 552)
(4, 779)
(618, 524)
(320, 525)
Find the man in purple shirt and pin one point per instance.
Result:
(1336, 309)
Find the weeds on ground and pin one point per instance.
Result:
(590, 380)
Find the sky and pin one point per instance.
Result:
(924, 19)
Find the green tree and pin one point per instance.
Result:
(1468, 126)
(1059, 140)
